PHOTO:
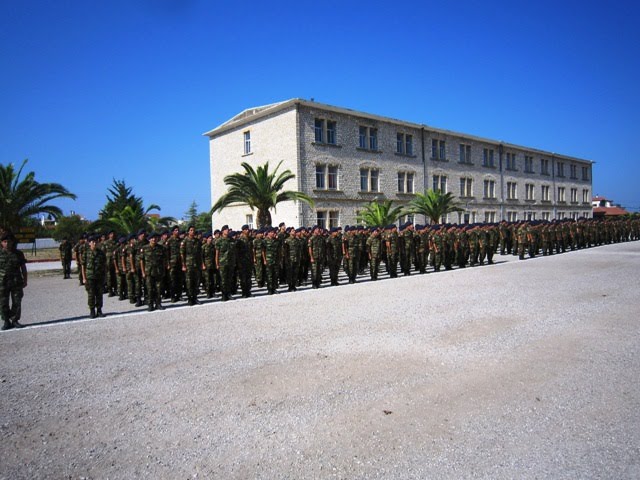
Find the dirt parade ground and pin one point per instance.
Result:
(524, 369)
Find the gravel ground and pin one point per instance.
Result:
(519, 370)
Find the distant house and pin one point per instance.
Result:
(603, 207)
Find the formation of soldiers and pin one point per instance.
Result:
(147, 268)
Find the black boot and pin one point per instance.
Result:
(6, 325)
(17, 324)
(92, 313)
(100, 314)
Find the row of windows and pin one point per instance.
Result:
(327, 179)
(489, 190)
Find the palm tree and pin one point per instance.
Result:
(376, 214)
(21, 199)
(259, 189)
(433, 204)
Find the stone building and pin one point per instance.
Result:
(344, 158)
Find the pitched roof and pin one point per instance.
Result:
(610, 211)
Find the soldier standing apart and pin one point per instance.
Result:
(316, 257)
(13, 280)
(94, 271)
(153, 264)
(191, 257)
(66, 252)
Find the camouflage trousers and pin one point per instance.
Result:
(154, 290)
(11, 302)
(95, 290)
(374, 267)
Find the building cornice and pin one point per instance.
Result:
(250, 115)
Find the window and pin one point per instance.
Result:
(247, 142)
(465, 154)
(511, 161)
(466, 187)
(489, 217)
(528, 164)
(331, 132)
(319, 130)
(529, 216)
(327, 218)
(489, 189)
(440, 183)
(487, 157)
(512, 191)
(368, 138)
(404, 144)
(325, 131)
(248, 219)
(585, 196)
(561, 197)
(585, 173)
(529, 191)
(405, 182)
(512, 216)
(369, 180)
(326, 177)
(438, 149)
(545, 216)
(560, 169)
(545, 197)
(544, 166)
(407, 218)
(573, 169)
(574, 195)
(560, 216)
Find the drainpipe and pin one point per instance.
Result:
(424, 167)
(553, 183)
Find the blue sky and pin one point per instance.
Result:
(96, 91)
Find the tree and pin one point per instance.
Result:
(433, 204)
(259, 189)
(376, 214)
(125, 213)
(70, 227)
(21, 199)
(191, 214)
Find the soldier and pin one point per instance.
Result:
(293, 256)
(94, 272)
(258, 248)
(492, 242)
(391, 244)
(119, 263)
(334, 254)
(436, 247)
(406, 248)
(350, 245)
(141, 288)
(225, 262)
(317, 255)
(175, 265)
(374, 252)
(271, 261)
(153, 264)
(78, 251)
(13, 281)
(130, 254)
(209, 265)
(66, 253)
(422, 247)
(108, 246)
(191, 259)
(244, 261)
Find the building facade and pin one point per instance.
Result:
(344, 159)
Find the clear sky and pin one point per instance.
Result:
(95, 91)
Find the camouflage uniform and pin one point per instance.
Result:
(317, 254)
(66, 253)
(225, 263)
(374, 251)
(191, 258)
(94, 268)
(153, 264)
(13, 279)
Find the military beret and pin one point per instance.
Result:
(245, 227)
(122, 239)
(281, 224)
(6, 236)
(224, 227)
(216, 232)
(142, 231)
(153, 235)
